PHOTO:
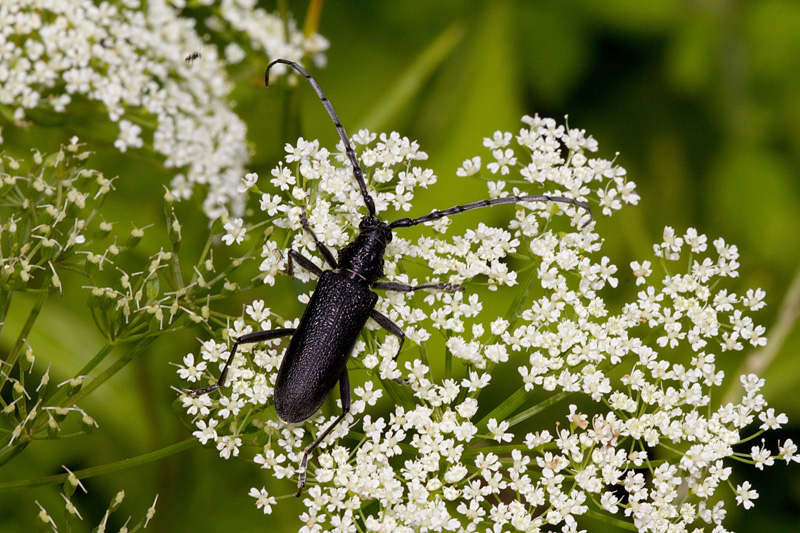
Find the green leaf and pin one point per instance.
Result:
(411, 83)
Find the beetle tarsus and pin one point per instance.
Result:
(344, 393)
(301, 480)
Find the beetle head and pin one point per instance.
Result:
(364, 256)
(376, 229)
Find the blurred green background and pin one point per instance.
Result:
(701, 100)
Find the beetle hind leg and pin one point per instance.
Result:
(249, 338)
(344, 393)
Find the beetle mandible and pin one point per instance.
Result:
(316, 358)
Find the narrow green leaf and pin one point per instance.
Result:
(408, 86)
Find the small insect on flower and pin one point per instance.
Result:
(321, 344)
(193, 56)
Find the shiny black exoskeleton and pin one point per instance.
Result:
(316, 358)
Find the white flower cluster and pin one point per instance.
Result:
(653, 452)
(130, 58)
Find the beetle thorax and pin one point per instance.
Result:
(364, 256)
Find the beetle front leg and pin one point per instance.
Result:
(324, 250)
(303, 261)
(386, 323)
(344, 394)
(249, 338)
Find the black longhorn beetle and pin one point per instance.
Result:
(342, 302)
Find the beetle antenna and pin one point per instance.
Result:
(436, 215)
(357, 172)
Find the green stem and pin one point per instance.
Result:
(104, 469)
(503, 448)
(202, 259)
(283, 9)
(536, 409)
(176, 269)
(512, 316)
(311, 24)
(758, 361)
(99, 356)
(5, 303)
(516, 307)
(110, 371)
(616, 522)
(23, 334)
(448, 363)
(504, 410)
(9, 453)
(56, 399)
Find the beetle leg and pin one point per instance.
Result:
(304, 262)
(344, 394)
(386, 323)
(324, 250)
(249, 338)
(402, 287)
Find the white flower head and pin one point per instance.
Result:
(410, 450)
(131, 60)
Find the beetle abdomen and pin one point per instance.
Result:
(318, 352)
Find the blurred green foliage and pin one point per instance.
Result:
(700, 99)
